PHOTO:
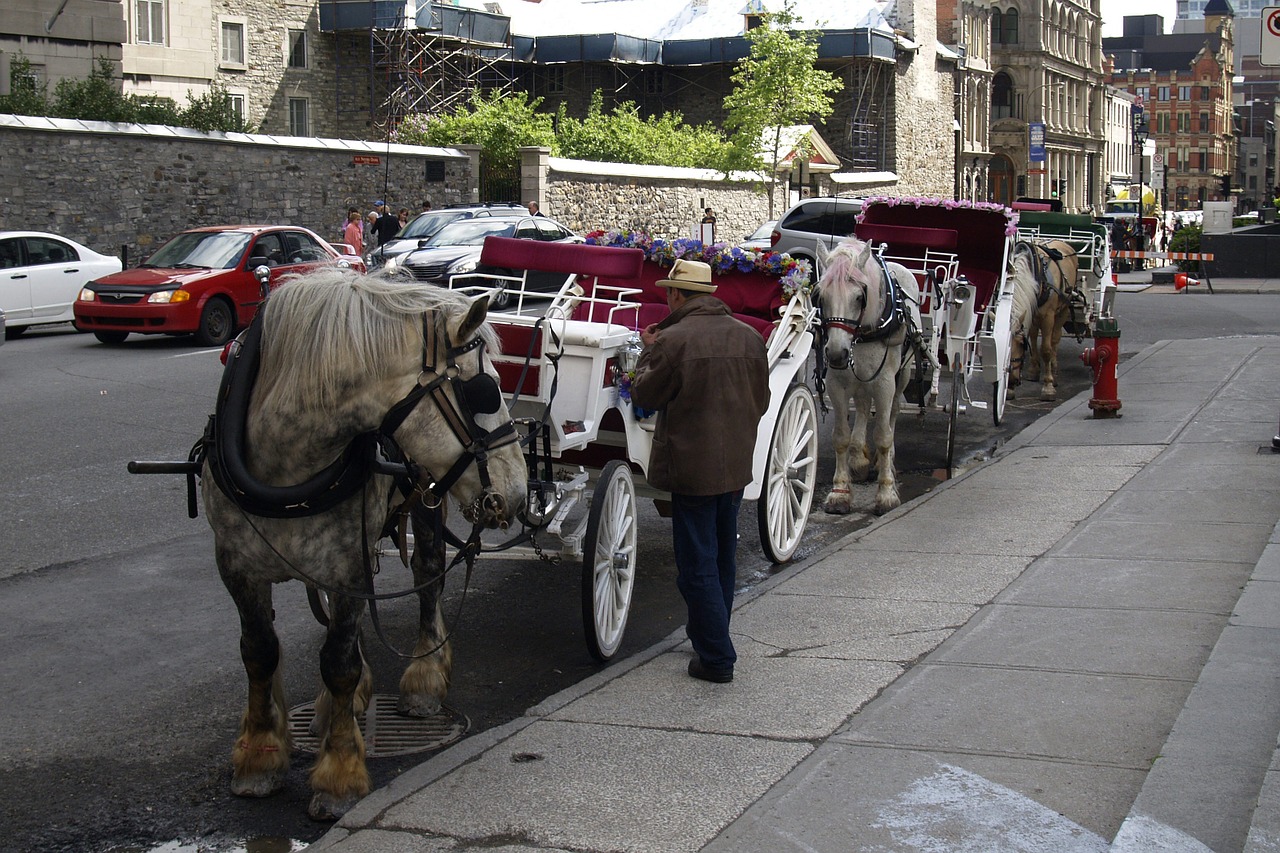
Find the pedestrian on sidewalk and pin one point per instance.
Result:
(353, 234)
(707, 375)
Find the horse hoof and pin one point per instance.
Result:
(838, 502)
(259, 785)
(329, 807)
(1048, 395)
(882, 507)
(418, 705)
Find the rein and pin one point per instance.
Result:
(891, 318)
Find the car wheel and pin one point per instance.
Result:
(216, 324)
(111, 338)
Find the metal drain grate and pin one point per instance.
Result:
(386, 733)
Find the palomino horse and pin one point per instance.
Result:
(870, 319)
(348, 366)
(1025, 290)
(1053, 267)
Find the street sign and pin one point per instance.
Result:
(1269, 44)
(1035, 141)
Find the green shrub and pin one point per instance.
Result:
(1187, 240)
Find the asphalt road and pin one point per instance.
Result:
(123, 683)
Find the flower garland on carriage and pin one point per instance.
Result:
(1011, 216)
(794, 274)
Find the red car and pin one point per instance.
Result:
(201, 282)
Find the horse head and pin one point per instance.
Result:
(346, 354)
(849, 294)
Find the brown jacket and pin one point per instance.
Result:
(708, 376)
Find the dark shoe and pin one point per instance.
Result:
(700, 670)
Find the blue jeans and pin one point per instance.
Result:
(705, 530)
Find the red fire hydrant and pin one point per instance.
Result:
(1103, 357)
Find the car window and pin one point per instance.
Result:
(306, 247)
(195, 249)
(43, 250)
(527, 230)
(426, 224)
(814, 217)
(843, 222)
(471, 232)
(10, 253)
(270, 247)
(548, 230)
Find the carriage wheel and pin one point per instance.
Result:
(953, 411)
(789, 476)
(319, 601)
(609, 560)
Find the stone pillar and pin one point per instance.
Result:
(533, 175)
(473, 180)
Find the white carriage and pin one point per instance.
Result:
(564, 365)
(959, 253)
(1094, 293)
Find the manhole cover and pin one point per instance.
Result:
(386, 733)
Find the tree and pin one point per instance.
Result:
(27, 95)
(500, 124)
(776, 85)
(622, 136)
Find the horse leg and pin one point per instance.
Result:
(859, 452)
(324, 701)
(340, 777)
(1049, 354)
(887, 407)
(425, 681)
(260, 758)
(1032, 372)
(840, 500)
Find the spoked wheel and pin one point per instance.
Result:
(609, 560)
(319, 601)
(789, 475)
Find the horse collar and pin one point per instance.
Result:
(890, 316)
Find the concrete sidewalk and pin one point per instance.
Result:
(1073, 646)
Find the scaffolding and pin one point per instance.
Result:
(393, 61)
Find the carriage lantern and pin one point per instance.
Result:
(629, 355)
(1103, 357)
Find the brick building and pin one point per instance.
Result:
(1183, 81)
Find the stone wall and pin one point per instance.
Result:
(664, 201)
(135, 186)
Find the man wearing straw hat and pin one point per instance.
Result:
(707, 375)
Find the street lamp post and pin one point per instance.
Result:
(1140, 134)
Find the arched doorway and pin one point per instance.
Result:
(1001, 178)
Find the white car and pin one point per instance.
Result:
(41, 275)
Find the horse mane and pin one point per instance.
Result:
(850, 263)
(328, 332)
(1025, 285)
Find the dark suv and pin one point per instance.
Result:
(815, 219)
(424, 226)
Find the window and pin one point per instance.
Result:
(1010, 34)
(1143, 93)
(1204, 160)
(42, 250)
(1002, 96)
(1204, 93)
(236, 102)
(555, 80)
(1184, 93)
(148, 20)
(232, 40)
(1204, 123)
(654, 82)
(1162, 93)
(298, 122)
(1253, 159)
(297, 49)
(1184, 122)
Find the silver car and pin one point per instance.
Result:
(815, 220)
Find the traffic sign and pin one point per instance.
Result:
(1269, 44)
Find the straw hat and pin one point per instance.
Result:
(689, 275)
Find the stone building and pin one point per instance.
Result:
(1047, 57)
(59, 43)
(965, 27)
(1184, 83)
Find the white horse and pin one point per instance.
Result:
(871, 342)
(1025, 290)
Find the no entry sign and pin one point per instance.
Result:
(1270, 42)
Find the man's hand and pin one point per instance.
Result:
(650, 334)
